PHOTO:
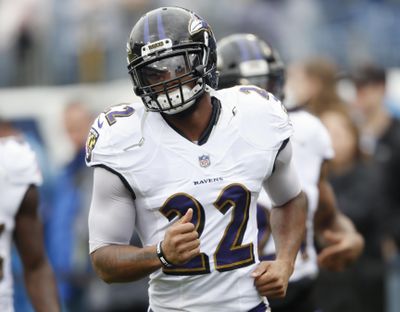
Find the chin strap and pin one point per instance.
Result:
(187, 93)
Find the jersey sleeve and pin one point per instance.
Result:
(283, 184)
(19, 162)
(264, 200)
(112, 212)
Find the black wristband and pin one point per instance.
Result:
(161, 256)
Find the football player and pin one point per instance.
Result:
(246, 59)
(185, 170)
(19, 221)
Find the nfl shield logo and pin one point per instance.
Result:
(204, 161)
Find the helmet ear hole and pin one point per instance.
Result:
(232, 65)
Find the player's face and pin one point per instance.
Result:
(369, 98)
(170, 71)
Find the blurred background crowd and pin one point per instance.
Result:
(64, 61)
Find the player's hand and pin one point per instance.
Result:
(271, 278)
(181, 241)
(342, 249)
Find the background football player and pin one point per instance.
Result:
(185, 171)
(246, 59)
(19, 220)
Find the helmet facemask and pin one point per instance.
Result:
(170, 80)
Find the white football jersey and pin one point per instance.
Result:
(18, 170)
(311, 146)
(220, 180)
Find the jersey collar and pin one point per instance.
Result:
(215, 113)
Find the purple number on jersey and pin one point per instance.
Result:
(230, 253)
(110, 115)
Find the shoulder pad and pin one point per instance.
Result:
(305, 124)
(309, 128)
(264, 121)
(112, 132)
(18, 162)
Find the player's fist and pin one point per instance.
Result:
(181, 241)
(341, 250)
(271, 278)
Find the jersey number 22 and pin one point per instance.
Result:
(230, 254)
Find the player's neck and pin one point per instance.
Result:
(193, 125)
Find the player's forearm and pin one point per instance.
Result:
(42, 288)
(327, 213)
(342, 223)
(288, 227)
(117, 263)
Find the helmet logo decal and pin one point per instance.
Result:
(204, 161)
(196, 25)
